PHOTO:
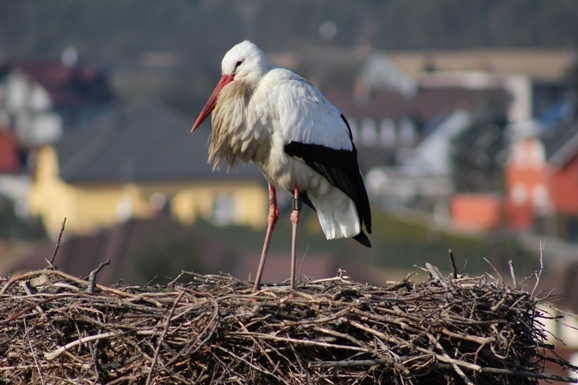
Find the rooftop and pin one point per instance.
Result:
(140, 141)
(67, 85)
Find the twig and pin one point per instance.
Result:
(250, 364)
(52, 355)
(51, 262)
(92, 276)
(33, 366)
(162, 337)
(495, 270)
(212, 325)
(348, 363)
(256, 342)
(524, 373)
(27, 309)
(302, 262)
(480, 340)
(539, 272)
(453, 263)
(121, 380)
(519, 373)
(93, 352)
(436, 274)
(451, 361)
(511, 264)
(33, 353)
(24, 285)
(79, 281)
(299, 342)
(378, 334)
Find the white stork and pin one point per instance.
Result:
(300, 141)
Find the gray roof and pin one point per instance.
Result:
(561, 142)
(138, 142)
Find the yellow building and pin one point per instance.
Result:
(136, 162)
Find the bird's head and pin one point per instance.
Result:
(244, 63)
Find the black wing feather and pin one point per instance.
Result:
(341, 169)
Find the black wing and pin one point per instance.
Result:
(341, 169)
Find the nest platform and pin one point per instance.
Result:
(58, 329)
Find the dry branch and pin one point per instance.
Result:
(446, 330)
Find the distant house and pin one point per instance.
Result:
(13, 182)
(542, 182)
(433, 154)
(40, 99)
(137, 161)
(420, 130)
(540, 178)
(391, 113)
(476, 212)
(395, 127)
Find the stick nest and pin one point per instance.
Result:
(56, 328)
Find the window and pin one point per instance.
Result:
(540, 196)
(368, 132)
(407, 134)
(518, 194)
(388, 135)
(223, 209)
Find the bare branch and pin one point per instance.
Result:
(453, 263)
(92, 276)
(51, 262)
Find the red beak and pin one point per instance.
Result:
(210, 105)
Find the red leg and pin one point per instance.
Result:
(296, 205)
(271, 221)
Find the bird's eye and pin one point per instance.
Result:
(238, 64)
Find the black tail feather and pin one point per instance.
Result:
(363, 239)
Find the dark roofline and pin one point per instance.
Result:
(67, 86)
(561, 143)
(139, 142)
(565, 153)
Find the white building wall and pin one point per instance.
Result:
(28, 108)
(433, 153)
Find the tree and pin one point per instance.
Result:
(479, 153)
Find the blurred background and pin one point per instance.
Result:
(464, 116)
